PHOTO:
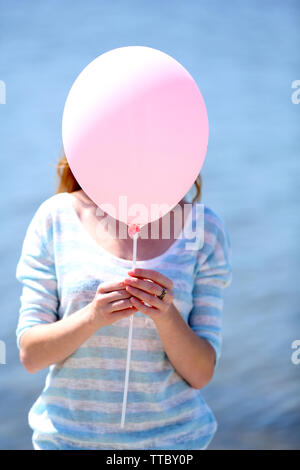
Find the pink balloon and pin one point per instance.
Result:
(135, 132)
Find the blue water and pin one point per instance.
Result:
(244, 57)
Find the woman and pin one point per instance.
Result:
(78, 292)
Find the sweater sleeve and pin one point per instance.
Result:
(213, 273)
(36, 272)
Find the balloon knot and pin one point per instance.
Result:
(133, 229)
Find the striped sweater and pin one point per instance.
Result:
(80, 406)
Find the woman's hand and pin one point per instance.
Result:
(111, 303)
(46, 344)
(192, 357)
(145, 286)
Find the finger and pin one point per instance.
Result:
(124, 313)
(116, 295)
(156, 276)
(142, 295)
(148, 286)
(109, 286)
(119, 305)
(141, 307)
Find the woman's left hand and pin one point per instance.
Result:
(146, 285)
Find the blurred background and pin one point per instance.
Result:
(244, 57)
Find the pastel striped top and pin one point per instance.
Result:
(80, 406)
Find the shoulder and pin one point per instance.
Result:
(214, 225)
(47, 208)
(52, 203)
(214, 235)
(44, 215)
(209, 221)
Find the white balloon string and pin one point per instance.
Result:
(135, 238)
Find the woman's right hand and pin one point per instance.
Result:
(46, 344)
(111, 303)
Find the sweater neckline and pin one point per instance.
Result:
(122, 261)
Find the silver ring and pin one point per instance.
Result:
(163, 293)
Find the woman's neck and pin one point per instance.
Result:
(155, 238)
